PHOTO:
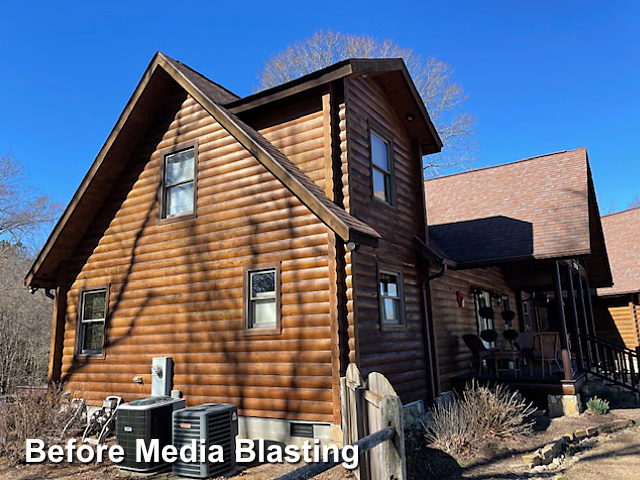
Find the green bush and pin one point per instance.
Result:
(598, 405)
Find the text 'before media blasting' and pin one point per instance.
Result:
(247, 451)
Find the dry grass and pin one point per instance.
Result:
(466, 423)
(32, 414)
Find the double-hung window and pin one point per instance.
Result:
(262, 305)
(93, 314)
(178, 184)
(381, 168)
(390, 284)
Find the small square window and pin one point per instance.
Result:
(93, 314)
(262, 300)
(390, 284)
(178, 185)
(381, 168)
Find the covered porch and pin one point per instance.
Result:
(552, 343)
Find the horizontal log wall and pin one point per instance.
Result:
(176, 288)
(617, 320)
(451, 322)
(398, 355)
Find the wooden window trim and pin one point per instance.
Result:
(387, 136)
(392, 270)
(79, 340)
(246, 307)
(161, 187)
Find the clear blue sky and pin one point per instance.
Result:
(541, 76)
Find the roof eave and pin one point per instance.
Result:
(362, 235)
(357, 66)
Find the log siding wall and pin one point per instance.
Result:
(399, 355)
(618, 319)
(176, 289)
(451, 322)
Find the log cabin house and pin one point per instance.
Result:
(262, 242)
(618, 307)
(517, 237)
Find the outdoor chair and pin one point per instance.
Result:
(480, 353)
(545, 348)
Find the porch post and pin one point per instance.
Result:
(590, 308)
(591, 324)
(564, 342)
(583, 316)
(575, 328)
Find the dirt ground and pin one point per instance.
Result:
(615, 456)
(610, 457)
(111, 472)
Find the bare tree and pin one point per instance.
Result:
(635, 202)
(22, 211)
(433, 78)
(24, 318)
(25, 324)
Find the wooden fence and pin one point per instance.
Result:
(372, 421)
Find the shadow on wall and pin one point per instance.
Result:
(485, 238)
(606, 326)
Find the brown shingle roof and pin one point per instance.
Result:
(537, 208)
(622, 235)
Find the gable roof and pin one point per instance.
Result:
(107, 165)
(395, 79)
(622, 235)
(539, 208)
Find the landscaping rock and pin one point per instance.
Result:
(592, 431)
(547, 453)
(580, 435)
(531, 460)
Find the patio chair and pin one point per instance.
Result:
(478, 350)
(545, 348)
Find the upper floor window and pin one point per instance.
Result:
(178, 184)
(93, 314)
(390, 284)
(262, 309)
(382, 168)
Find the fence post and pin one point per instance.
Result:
(394, 459)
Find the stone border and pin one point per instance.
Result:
(547, 454)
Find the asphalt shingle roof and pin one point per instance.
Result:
(535, 208)
(622, 236)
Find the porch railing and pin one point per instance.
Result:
(615, 363)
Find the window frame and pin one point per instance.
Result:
(396, 271)
(247, 329)
(80, 330)
(162, 219)
(386, 136)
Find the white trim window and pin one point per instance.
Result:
(263, 307)
(93, 315)
(381, 168)
(390, 284)
(178, 186)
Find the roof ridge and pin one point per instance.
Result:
(489, 167)
(201, 75)
(629, 209)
